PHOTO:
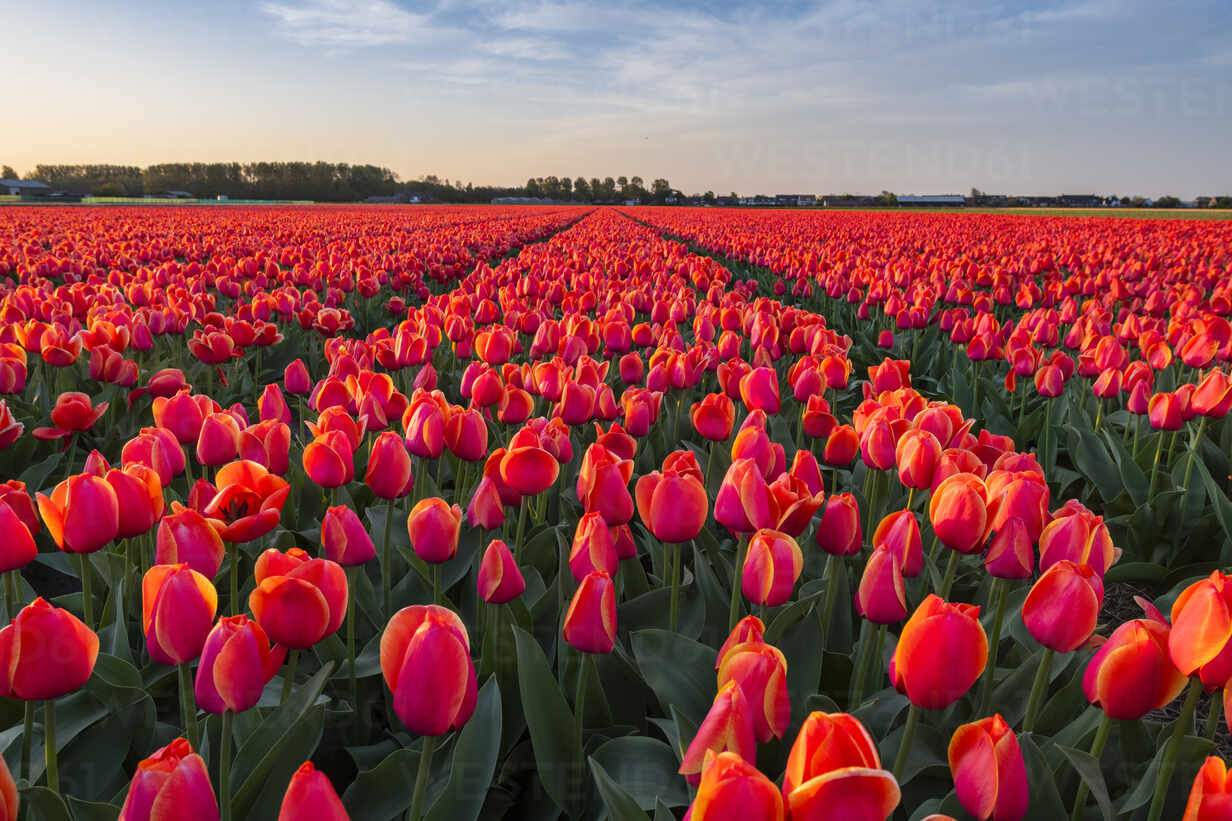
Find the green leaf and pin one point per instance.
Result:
(1193, 751)
(474, 760)
(383, 792)
(1092, 459)
(35, 476)
(678, 669)
(93, 810)
(620, 805)
(553, 734)
(1046, 804)
(1089, 771)
(42, 804)
(646, 768)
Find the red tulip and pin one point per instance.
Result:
(218, 442)
(389, 471)
(959, 512)
(771, 567)
(672, 505)
(236, 664)
(434, 526)
(426, 661)
(590, 622)
(329, 459)
(177, 611)
(841, 447)
(499, 580)
(1077, 534)
(990, 775)
(17, 547)
(728, 727)
(592, 548)
(183, 414)
(1201, 637)
(743, 504)
(466, 434)
(881, 597)
(72, 413)
(713, 417)
(900, 532)
(759, 390)
(603, 485)
(839, 532)
(916, 456)
(45, 653)
(1132, 673)
(1063, 606)
(935, 680)
(172, 783)
(1210, 798)
(248, 503)
(185, 536)
(311, 795)
(82, 514)
(731, 788)
(344, 537)
(761, 671)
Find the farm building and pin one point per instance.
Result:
(15, 188)
(956, 200)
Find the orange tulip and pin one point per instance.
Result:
(761, 671)
(732, 788)
(1132, 673)
(672, 505)
(72, 413)
(900, 532)
(990, 775)
(881, 597)
(426, 662)
(344, 537)
(298, 601)
(1210, 798)
(935, 680)
(1201, 637)
(749, 628)
(248, 503)
(185, 536)
(834, 771)
(959, 512)
(713, 417)
(772, 566)
(603, 485)
(499, 579)
(434, 526)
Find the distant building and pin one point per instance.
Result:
(850, 201)
(948, 200)
(793, 200)
(23, 188)
(1080, 200)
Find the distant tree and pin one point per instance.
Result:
(637, 182)
(1222, 202)
(581, 189)
(708, 197)
(888, 198)
(7, 173)
(1167, 201)
(532, 188)
(734, 196)
(607, 189)
(976, 193)
(660, 190)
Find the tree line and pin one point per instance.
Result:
(323, 182)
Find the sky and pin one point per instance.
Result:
(914, 96)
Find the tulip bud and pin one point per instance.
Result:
(329, 459)
(590, 622)
(839, 532)
(592, 548)
(935, 680)
(841, 447)
(834, 771)
(900, 532)
(990, 775)
(45, 653)
(17, 547)
(958, 511)
(916, 457)
(1202, 630)
(485, 510)
(713, 417)
(761, 671)
(173, 782)
(389, 471)
(732, 788)
(236, 664)
(881, 597)
(1063, 606)
(185, 536)
(1078, 535)
(434, 526)
(344, 537)
(1211, 795)
(311, 795)
(603, 485)
(82, 514)
(1132, 673)
(728, 727)
(1010, 554)
(219, 439)
(426, 662)
(673, 506)
(771, 567)
(177, 611)
(500, 580)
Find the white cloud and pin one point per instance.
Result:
(344, 24)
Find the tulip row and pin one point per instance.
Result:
(586, 595)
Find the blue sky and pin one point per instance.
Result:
(925, 96)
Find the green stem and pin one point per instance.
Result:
(517, 539)
(224, 766)
(436, 584)
(49, 745)
(1001, 591)
(188, 705)
(350, 636)
(1213, 714)
(579, 701)
(1038, 688)
(904, 746)
(27, 734)
(1168, 766)
(673, 558)
(1097, 749)
(827, 611)
(862, 664)
(733, 613)
(1159, 447)
(87, 600)
(387, 571)
(415, 813)
(1193, 451)
(1099, 414)
(951, 568)
(234, 550)
(288, 680)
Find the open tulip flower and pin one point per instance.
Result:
(834, 771)
(247, 502)
(298, 600)
(72, 413)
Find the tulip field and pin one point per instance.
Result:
(468, 513)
